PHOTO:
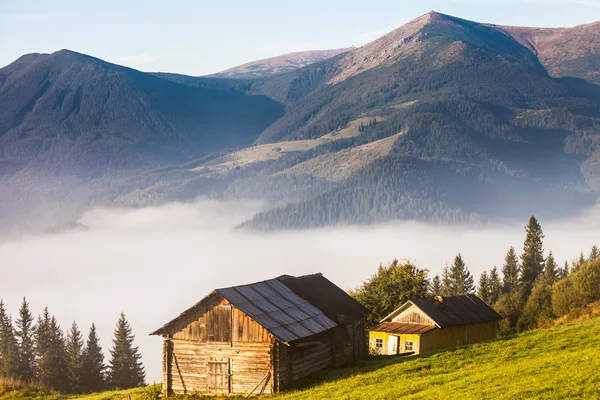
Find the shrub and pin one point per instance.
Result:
(586, 281)
(509, 306)
(538, 307)
(564, 297)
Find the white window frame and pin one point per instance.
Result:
(378, 343)
(412, 345)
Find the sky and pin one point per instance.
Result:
(198, 37)
(153, 263)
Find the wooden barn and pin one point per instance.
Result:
(425, 325)
(258, 338)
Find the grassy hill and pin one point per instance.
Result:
(558, 363)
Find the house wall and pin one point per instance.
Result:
(218, 350)
(349, 339)
(413, 315)
(247, 364)
(453, 336)
(385, 336)
(305, 357)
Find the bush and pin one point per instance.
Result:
(538, 308)
(509, 306)
(564, 297)
(586, 281)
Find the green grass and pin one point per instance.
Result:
(558, 363)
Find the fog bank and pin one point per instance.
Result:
(153, 263)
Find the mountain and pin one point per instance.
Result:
(441, 120)
(486, 130)
(564, 52)
(70, 112)
(280, 64)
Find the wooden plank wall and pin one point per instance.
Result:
(220, 322)
(453, 336)
(413, 315)
(249, 363)
(305, 357)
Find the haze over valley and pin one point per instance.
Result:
(141, 192)
(118, 264)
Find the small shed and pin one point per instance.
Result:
(259, 338)
(424, 325)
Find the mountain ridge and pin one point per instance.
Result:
(442, 119)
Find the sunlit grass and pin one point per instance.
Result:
(558, 363)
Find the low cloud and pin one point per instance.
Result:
(153, 263)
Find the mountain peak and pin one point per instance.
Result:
(283, 63)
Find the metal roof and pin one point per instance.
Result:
(278, 309)
(325, 295)
(453, 310)
(400, 327)
(271, 304)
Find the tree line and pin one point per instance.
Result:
(529, 291)
(40, 352)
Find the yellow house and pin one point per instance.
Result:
(424, 325)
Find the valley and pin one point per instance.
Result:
(441, 120)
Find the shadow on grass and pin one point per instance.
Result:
(358, 367)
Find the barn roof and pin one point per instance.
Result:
(325, 295)
(452, 311)
(272, 304)
(400, 327)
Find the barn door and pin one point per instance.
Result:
(218, 371)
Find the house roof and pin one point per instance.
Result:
(325, 295)
(452, 311)
(399, 327)
(275, 306)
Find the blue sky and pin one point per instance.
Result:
(201, 37)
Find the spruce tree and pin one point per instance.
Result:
(595, 253)
(74, 358)
(533, 262)
(578, 262)
(60, 376)
(94, 379)
(8, 345)
(483, 288)
(495, 286)
(43, 350)
(24, 333)
(457, 279)
(564, 272)
(551, 271)
(510, 272)
(125, 367)
(436, 287)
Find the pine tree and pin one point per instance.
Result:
(94, 379)
(436, 288)
(457, 279)
(510, 272)
(8, 345)
(551, 271)
(564, 272)
(595, 253)
(24, 333)
(60, 376)
(483, 288)
(495, 286)
(578, 262)
(533, 255)
(74, 358)
(125, 367)
(43, 346)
